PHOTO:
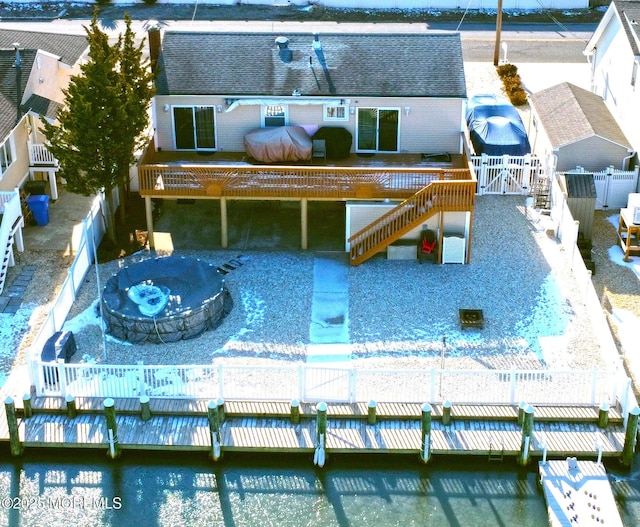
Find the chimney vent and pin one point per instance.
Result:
(285, 53)
(317, 45)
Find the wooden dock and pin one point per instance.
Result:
(485, 430)
(578, 493)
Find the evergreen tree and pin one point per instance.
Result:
(105, 113)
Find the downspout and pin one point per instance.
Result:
(18, 66)
(626, 162)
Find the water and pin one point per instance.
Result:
(150, 489)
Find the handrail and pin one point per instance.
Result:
(436, 197)
(281, 181)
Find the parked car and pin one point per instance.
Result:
(495, 127)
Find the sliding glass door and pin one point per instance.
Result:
(194, 127)
(377, 129)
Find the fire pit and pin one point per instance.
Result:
(471, 318)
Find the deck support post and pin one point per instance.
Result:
(603, 415)
(26, 405)
(371, 413)
(145, 408)
(521, 408)
(295, 412)
(224, 229)
(425, 451)
(72, 410)
(527, 432)
(12, 425)
(112, 428)
(214, 430)
(148, 212)
(304, 241)
(446, 413)
(630, 437)
(319, 457)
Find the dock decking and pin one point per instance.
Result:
(266, 426)
(578, 493)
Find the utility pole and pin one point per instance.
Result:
(496, 50)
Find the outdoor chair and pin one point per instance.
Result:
(427, 246)
(319, 151)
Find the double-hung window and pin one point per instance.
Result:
(194, 127)
(7, 155)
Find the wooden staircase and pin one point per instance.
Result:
(11, 220)
(414, 211)
(540, 192)
(7, 259)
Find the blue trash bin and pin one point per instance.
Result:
(39, 206)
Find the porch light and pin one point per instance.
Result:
(407, 110)
(219, 108)
(166, 108)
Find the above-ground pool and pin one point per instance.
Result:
(164, 300)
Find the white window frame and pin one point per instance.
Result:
(330, 110)
(264, 110)
(7, 147)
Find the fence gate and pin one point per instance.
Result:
(505, 174)
(327, 384)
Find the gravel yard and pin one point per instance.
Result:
(398, 311)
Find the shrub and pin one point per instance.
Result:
(103, 2)
(512, 84)
(149, 2)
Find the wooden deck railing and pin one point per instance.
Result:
(291, 182)
(436, 197)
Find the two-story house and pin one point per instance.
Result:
(397, 99)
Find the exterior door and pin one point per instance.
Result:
(194, 127)
(377, 129)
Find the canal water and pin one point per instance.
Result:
(155, 489)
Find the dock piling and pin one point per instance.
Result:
(425, 453)
(320, 454)
(630, 437)
(603, 415)
(145, 408)
(221, 415)
(521, 408)
(112, 427)
(213, 414)
(27, 409)
(371, 413)
(12, 424)
(72, 411)
(295, 412)
(527, 431)
(446, 413)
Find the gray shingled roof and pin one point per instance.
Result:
(570, 114)
(348, 65)
(68, 47)
(41, 106)
(630, 15)
(8, 91)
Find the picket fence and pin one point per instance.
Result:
(330, 384)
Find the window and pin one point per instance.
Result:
(7, 155)
(274, 115)
(194, 127)
(336, 112)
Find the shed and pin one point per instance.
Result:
(576, 126)
(581, 199)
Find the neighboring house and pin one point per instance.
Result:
(614, 54)
(34, 69)
(399, 96)
(576, 126)
(46, 63)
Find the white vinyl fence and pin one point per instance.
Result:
(93, 229)
(612, 186)
(315, 383)
(507, 174)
